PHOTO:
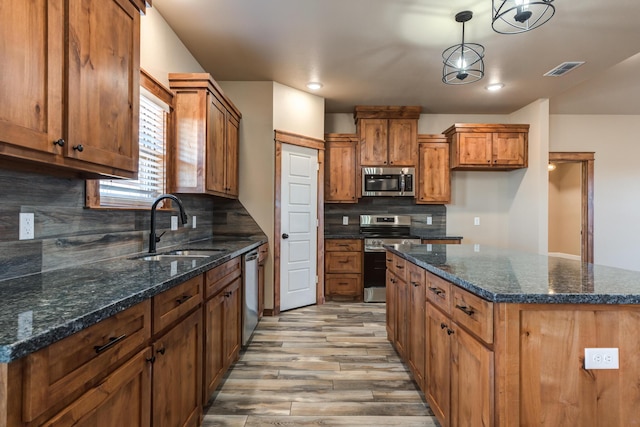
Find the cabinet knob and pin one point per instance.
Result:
(59, 142)
(78, 148)
(450, 332)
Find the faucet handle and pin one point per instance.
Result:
(159, 236)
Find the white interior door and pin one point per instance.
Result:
(299, 223)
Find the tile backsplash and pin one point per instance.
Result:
(67, 233)
(334, 212)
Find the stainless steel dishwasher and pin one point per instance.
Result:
(250, 291)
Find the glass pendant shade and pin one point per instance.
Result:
(463, 62)
(519, 16)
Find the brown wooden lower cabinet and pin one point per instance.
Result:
(508, 364)
(416, 338)
(177, 375)
(343, 269)
(122, 399)
(222, 324)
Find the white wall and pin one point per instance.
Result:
(161, 51)
(616, 176)
(298, 112)
(256, 165)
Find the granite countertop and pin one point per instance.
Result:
(502, 275)
(40, 309)
(357, 235)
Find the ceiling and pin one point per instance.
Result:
(389, 52)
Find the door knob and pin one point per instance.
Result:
(285, 236)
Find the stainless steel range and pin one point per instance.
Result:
(379, 230)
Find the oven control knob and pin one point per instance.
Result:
(377, 243)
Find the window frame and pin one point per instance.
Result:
(92, 186)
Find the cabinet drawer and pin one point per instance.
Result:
(174, 303)
(474, 313)
(343, 285)
(62, 369)
(343, 262)
(439, 292)
(344, 245)
(398, 266)
(219, 277)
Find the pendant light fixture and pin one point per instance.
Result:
(463, 62)
(519, 16)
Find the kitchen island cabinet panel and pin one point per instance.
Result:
(438, 362)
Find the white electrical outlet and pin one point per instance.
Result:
(476, 220)
(27, 226)
(345, 220)
(429, 247)
(476, 247)
(429, 220)
(601, 358)
(174, 223)
(193, 221)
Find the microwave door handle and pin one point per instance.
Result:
(402, 184)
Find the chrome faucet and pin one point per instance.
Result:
(153, 238)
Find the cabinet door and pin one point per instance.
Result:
(231, 157)
(434, 182)
(471, 381)
(216, 143)
(417, 323)
(232, 321)
(391, 306)
(373, 142)
(340, 171)
(509, 149)
(103, 83)
(438, 351)
(214, 357)
(474, 149)
(403, 142)
(122, 399)
(32, 55)
(402, 317)
(177, 375)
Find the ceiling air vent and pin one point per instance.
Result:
(563, 69)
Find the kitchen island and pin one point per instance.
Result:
(498, 337)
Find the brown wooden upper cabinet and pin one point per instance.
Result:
(387, 135)
(433, 174)
(204, 158)
(488, 146)
(72, 71)
(341, 173)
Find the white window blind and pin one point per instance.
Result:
(151, 163)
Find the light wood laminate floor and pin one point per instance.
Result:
(326, 365)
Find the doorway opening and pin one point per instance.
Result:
(571, 204)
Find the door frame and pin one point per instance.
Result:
(282, 137)
(586, 159)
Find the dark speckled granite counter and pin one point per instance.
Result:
(501, 275)
(40, 309)
(360, 236)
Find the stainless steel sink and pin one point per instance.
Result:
(179, 254)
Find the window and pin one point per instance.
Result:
(153, 132)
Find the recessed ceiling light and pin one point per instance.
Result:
(495, 86)
(314, 85)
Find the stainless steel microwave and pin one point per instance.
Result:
(388, 181)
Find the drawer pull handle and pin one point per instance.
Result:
(151, 359)
(343, 283)
(450, 332)
(399, 267)
(346, 261)
(388, 259)
(437, 291)
(112, 341)
(182, 299)
(344, 245)
(416, 284)
(466, 310)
